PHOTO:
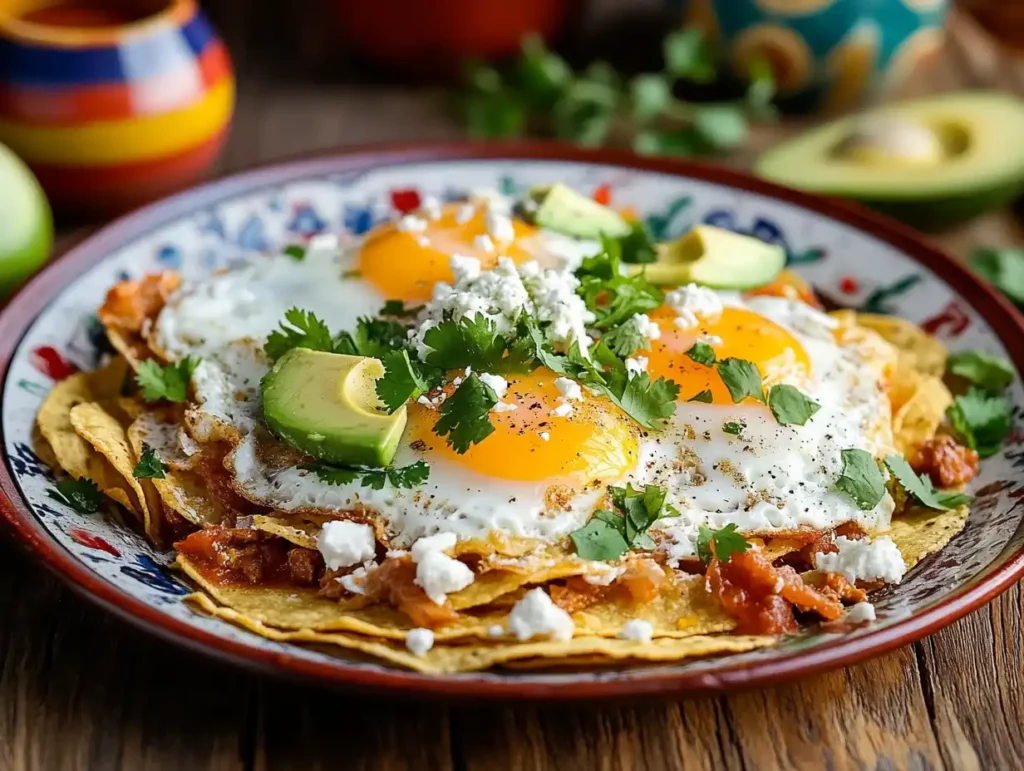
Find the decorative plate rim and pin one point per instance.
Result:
(23, 309)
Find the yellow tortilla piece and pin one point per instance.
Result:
(183, 492)
(921, 532)
(917, 349)
(107, 435)
(468, 658)
(70, 451)
(917, 420)
(683, 608)
(297, 531)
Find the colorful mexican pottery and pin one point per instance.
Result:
(851, 256)
(826, 54)
(112, 104)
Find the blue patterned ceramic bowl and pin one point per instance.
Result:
(827, 54)
(852, 257)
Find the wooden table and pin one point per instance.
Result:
(79, 689)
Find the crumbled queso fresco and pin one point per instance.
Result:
(865, 560)
(537, 616)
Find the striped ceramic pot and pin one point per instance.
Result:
(112, 103)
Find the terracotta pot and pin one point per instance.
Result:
(439, 36)
(111, 103)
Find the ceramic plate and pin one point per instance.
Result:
(853, 258)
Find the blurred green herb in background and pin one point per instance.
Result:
(541, 94)
(1003, 268)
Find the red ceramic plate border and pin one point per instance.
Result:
(1004, 319)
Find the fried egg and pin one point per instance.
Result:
(546, 465)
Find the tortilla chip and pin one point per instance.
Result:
(300, 532)
(683, 608)
(917, 420)
(71, 452)
(468, 658)
(42, 448)
(107, 435)
(921, 532)
(917, 349)
(182, 491)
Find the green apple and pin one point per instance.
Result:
(26, 223)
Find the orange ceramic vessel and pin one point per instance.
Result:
(112, 104)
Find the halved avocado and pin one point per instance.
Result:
(562, 209)
(715, 258)
(887, 158)
(326, 405)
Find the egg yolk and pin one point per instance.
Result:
(596, 444)
(737, 333)
(405, 265)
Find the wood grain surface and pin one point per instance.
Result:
(80, 689)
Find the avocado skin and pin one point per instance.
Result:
(300, 400)
(945, 213)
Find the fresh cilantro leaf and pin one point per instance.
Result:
(472, 342)
(732, 427)
(602, 538)
(82, 495)
(625, 339)
(702, 396)
(789, 406)
(920, 487)
(296, 252)
(991, 372)
(409, 476)
(404, 380)
(720, 544)
(399, 309)
(981, 419)
(636, 247)
(650, 94)
(584, 112)
(464, 418)
(405, 476)
(861, 478)
(689, 55)
(1004, 268)
(649, 402)
(682, 143)
(608, 535)
(149, 465)
(300, 329)
(543, 76)
(702, 353)
(376, 337)
(169, 382)
(721, 126)
(742, 379)
(531, 343)
(495, 116)
(761, 90)
(612, 297)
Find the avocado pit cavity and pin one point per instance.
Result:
(889, 139)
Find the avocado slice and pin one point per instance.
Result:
(931, 162)
(715, 258)
(325, 404)
(562, 209)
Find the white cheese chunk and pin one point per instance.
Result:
(693, 303)
(637, 629)
(863, 559)
(419, 641)
(537, 616)
(344, 544)
(497, 383)
(862, 611)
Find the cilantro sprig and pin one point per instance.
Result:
(720, 544)
(986, 370)
(702, 353)
(300, 329)
(861, 478)
(608, 535)
(407, 477)
(149, 466)
(790, 406)
(742, 378)
(168, 382)
(611, 296)
(399, 309)
(982, 419)
(82, 495)
(404, 379)
(464, 419)
(920, 487)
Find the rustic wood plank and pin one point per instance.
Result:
(80, 689)
(309, 730)
(974, 681)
